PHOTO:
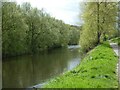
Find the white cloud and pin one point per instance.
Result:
(66, 10)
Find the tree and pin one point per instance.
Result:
(118, 18)
(0, 29)
(74, 35)
(28, 30)
(99, 21)
(13, 34)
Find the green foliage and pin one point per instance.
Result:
(97, 70)
(13, 30)
(29, 30)
(99, 23)
(74, 35)
(116, 40)
(118, 20)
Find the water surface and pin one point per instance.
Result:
(29, 70)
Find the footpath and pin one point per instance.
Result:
(116, 49)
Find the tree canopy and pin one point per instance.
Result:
(99, 23)
(28, 30)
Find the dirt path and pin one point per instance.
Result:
(116, 49)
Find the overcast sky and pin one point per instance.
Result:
(66, 10)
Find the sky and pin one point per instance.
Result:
(66, 10)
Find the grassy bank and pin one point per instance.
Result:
(97, 70)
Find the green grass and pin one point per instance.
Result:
(97, 70)
(116, 40)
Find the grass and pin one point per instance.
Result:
(97, 70)
(116, 40)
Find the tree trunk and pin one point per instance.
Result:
(98, 22)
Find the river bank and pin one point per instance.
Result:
(97, 70)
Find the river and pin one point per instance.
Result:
(29, 70)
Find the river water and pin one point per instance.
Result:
(29, 70)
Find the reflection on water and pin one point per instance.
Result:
(73, 63)
(0, 72)
(27, 71)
